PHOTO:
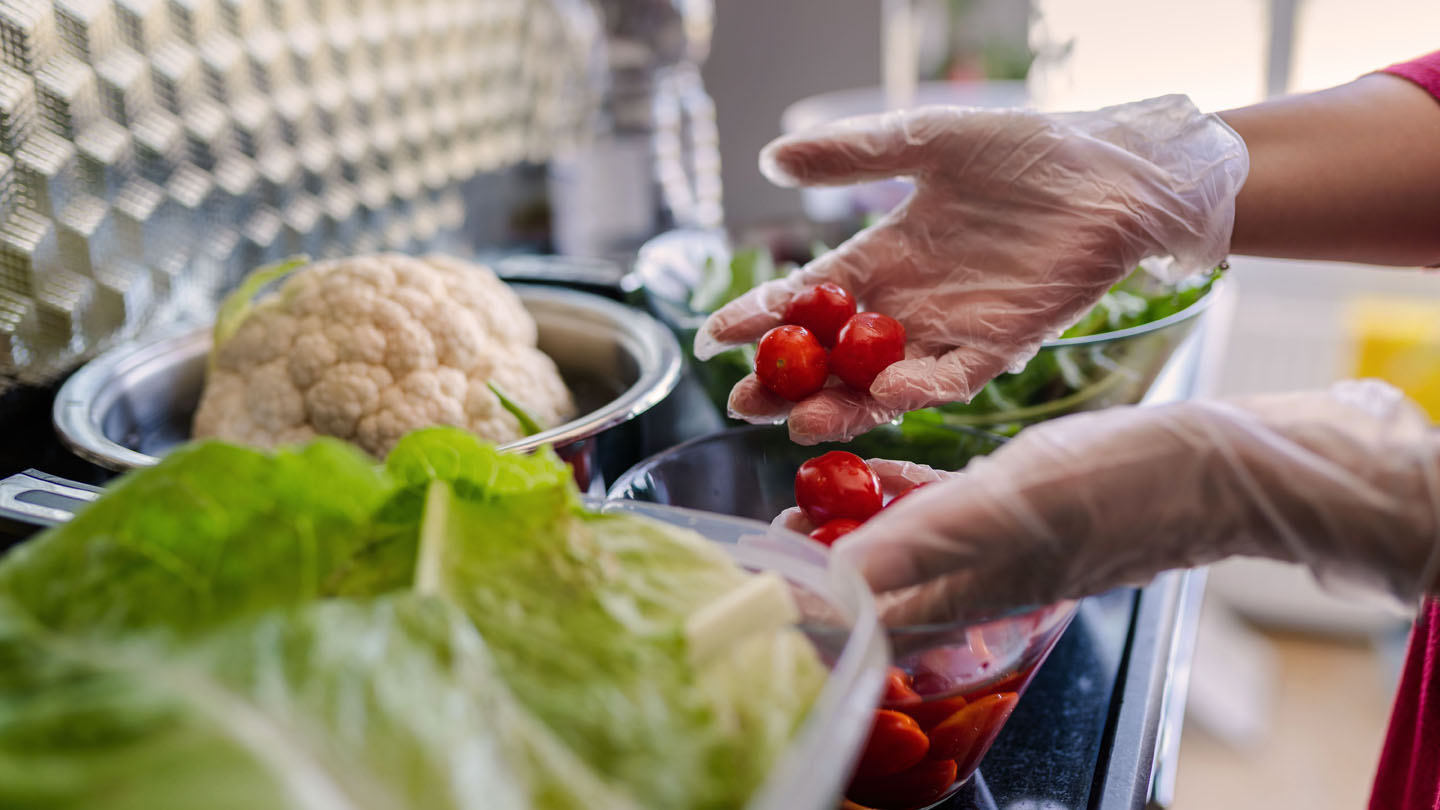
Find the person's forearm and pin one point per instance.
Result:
(1347, 174)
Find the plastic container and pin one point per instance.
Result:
(838, 614)
(961, 679)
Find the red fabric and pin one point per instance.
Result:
(1424, 71)
(1409, 774)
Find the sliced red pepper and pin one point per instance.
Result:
(966, 735)
(930, 713)
(895, 744)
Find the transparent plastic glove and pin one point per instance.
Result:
(1018, 224)
(1345, 481)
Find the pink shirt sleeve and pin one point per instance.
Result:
(1424, 71)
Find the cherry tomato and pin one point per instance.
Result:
(822, 309)
(930, 713)
(834, 530)
(868, 344)
(905, 492)
(837, 485)
(791, 362)
(896, 743)
(919, 786)
(898, 692)
(965, 735)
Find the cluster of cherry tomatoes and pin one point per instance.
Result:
(918, 748)
(838, 491)
(823, 335)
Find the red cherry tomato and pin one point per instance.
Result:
(931, 712)
(791, 362)
(905, 492)
(965, 735)
(898, 693)
(896, 743)
(834, 530)
(868, 344)
(837, 485)
(919, 786)
(822, 309)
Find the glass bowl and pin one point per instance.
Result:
(1115, 367)
(957, 683)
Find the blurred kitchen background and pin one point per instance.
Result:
(155, 149)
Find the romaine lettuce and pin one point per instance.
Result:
(239, 629)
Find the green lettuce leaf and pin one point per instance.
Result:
(302, 629)
(585, 616)
(212, 533)
(382, 705)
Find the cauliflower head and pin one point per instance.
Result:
(371, 347)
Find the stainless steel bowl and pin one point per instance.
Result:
(130, 405)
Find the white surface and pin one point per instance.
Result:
(1232, 685)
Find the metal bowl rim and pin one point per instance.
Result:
(76, 414)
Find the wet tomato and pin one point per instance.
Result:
(837, 485)
(823, 309)
(919, 786)
(966, 734)
(931, 712)
(896, 743)
(834, 530)
(791, 362)
(898, 692)
(868, 344)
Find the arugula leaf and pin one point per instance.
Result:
(722, 283)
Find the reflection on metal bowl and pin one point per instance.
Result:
(130, 405)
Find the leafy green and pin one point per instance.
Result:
(302, 630)
(585, 615)
(178, 546)
(391, 703)
(238, 302)
(1063, 379)
(721, 283)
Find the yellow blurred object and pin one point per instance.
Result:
(1398, 340)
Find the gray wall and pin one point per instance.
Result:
(767, 54)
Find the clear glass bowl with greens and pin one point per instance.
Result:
(1110, 357)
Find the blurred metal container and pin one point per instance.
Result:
(153, 150)
(130, 405)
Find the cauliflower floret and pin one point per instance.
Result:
(372, 347)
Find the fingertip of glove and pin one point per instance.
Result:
(774, 163)
(706, 346)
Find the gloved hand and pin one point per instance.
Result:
(1345, 481)
(1019, 222)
